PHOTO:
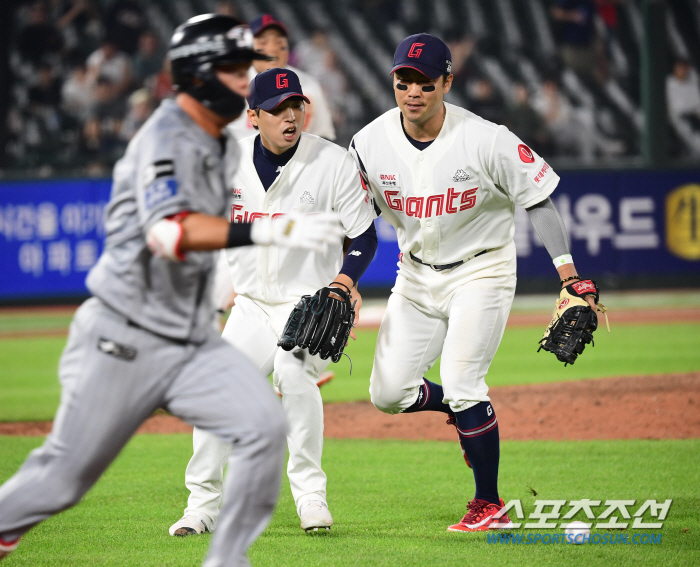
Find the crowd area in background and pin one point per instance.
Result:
(85, 79)
(87, 74)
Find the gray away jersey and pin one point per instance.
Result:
(170, 166)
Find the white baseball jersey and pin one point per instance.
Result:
(455, 198)
(321, 176)
(321, 123)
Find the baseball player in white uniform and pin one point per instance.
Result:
(144, 340)
(271, 39)
(448, 182)
(283, 170)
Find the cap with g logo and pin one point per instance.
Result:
(425, 53)
(263, 21)
(272, 87)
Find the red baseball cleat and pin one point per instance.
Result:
(452, 420)
(325, 377)
(480, 518)
(7, 547)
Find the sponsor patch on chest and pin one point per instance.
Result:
(389, 180)
(461, 175)
(237, 193)
(307, 198)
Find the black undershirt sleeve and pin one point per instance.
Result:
(360, 254)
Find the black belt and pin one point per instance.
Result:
(441, 267)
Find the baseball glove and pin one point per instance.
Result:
(573, 322)
(320, 323)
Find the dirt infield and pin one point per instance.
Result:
(632, 407)
(371, 321)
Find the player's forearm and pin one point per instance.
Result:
(567, 271)
(360, 255)
(550, 228)
(204, 232)
(345, 281)
(172, 237)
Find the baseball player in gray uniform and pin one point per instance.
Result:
(145, 340)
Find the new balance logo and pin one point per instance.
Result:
(306, 198)
(355, 253)
(461, 175)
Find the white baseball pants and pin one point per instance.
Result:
(459, 314)
(254, 330)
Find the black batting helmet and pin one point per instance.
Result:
(200, 44)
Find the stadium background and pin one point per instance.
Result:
(613, 103)
(82, 75)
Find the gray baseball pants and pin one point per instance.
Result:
(113, 377)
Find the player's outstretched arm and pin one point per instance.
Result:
(172, 237)
(551, 229)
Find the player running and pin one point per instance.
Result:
(448, 182)
(283, 170)
(144, 340)
(271, 38)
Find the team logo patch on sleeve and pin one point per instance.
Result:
(158, 191)
(160, 168)
(525, 153)
(542, 173)
(389, 180)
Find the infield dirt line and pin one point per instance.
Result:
(515, 320)
(630, 407)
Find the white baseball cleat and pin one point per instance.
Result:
(314, 514)
(188, 525)
(7, 547)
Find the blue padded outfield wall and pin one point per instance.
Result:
(626, 223)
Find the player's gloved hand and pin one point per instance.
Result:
(296, 230)
(573, 321)
(320, 323)
(163, 240)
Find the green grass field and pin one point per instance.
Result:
(391, 500)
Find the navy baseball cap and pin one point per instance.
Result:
(425, 53)
(271, 87)
(260, 23)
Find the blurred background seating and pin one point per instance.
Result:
(562, 74)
